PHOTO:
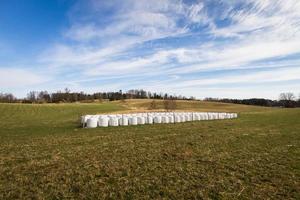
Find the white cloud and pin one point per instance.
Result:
(275, 75)
(197, 14)
(147, 20)
(82, 32)
(253, 31)
(239, 56)
(18, 78)
(262, 84)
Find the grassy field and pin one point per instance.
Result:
(44, 154)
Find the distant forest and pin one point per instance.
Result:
(68, 96)
(287, 100)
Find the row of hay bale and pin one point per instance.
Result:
(93, 121)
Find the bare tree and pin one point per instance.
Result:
(32, 96)
(288, 99)
(7, 98)
(288, 96)
(43, 96)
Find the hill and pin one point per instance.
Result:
(45, 155)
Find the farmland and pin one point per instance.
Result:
(44, 154)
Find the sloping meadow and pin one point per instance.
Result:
(44, 154)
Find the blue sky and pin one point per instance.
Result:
(204, 48)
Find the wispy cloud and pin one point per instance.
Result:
(275, 75)
(19, 78)
(156, 40)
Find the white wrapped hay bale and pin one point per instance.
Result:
(191, 116)
(92, 122)
(210, 116)
(177, 119)
(206, 116)
(188, 117)
(133, 120)
(221, 115)
(149, 120)
(110, 116)
(123, 121)
(113, 121)
(84, 119)
(119, 116)
(141, 120)
(214, 116)
(182, 118)
(128, 116)
(171, 119)
(103, 121)
(157, 119)
(227, 116)
(165, 119)
(196, 117)
(201, 116)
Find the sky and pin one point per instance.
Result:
(204, 48)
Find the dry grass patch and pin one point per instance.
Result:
(45, 156)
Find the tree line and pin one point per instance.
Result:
(68, 97)
(287, 100)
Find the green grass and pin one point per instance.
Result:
(45, 155)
